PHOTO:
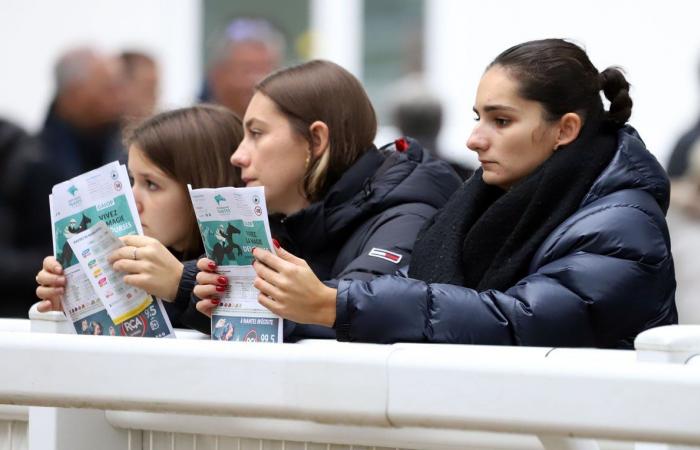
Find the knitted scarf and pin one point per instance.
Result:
(485, 238)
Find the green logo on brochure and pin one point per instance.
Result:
(72, 190)
(219, 198)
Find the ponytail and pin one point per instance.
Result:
(616, 89)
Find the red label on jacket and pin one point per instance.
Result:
(386, 254)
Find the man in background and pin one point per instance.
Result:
(248, 51)
(82, 127)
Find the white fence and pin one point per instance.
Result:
(85, 392)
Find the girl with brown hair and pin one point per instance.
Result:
(348, 208)
(166, 152)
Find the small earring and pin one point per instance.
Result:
(308, 160)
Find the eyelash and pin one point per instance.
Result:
(151, 186)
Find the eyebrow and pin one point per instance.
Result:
(250, 122)
(491, 108)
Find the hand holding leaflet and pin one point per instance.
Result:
(104, 196)
(93, 247)
(232, 222)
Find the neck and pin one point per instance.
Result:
(291, 207)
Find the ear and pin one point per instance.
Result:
(569, 127)
(320, 140)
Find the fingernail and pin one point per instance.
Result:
(215, 301)
(221, 288)
(212, 265)
(57, 269)
(276, 242)
(222, 280)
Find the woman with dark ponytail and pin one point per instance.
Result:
(559, 239)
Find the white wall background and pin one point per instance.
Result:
(33, 33)
(657, 43)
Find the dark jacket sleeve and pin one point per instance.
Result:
(608, 277)
(394, 231)
(186, 300)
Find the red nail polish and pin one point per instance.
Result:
(215, 301)
(276, 242)
(212, 266)
(221, 288)
(222, 280)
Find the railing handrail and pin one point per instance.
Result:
(447, 387)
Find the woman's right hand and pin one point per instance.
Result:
(209, 286)
(52, 285)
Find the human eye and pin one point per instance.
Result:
(501, 122)
(151, 186)
(254, 132)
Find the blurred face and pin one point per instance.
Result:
(233, 81)
(511, 136)
(272, 155)
(141, 90)
(163, 203)
(100, 98)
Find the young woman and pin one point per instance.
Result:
(166, 152)
(559, 239)
(351, 210)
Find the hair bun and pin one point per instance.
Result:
(616, 89)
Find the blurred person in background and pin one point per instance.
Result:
(679, 160)
(141, 82)
(18, 244)
(417, 112)
(684, 226)
(81, 131)
(249, 50)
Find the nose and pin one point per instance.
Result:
(137, 200)
(477, 140)
(240, 157)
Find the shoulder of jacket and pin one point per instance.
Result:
(605, 217)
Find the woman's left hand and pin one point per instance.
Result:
(149, 266)
(289, 288)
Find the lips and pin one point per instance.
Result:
(248, 181)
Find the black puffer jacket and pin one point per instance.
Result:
(380, 203)
(599, 279)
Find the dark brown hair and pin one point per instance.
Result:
(559, 75)
(324, 91)
(193, 146)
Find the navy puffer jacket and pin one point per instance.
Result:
(603, 276)
(364, 227)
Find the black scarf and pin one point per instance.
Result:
(485, 238)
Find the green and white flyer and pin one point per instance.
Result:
(232, 222)
(100, 195)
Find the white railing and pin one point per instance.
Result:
(86, 392)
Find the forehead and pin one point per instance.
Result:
(497, 86)
(261, 107)
(139, 163)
